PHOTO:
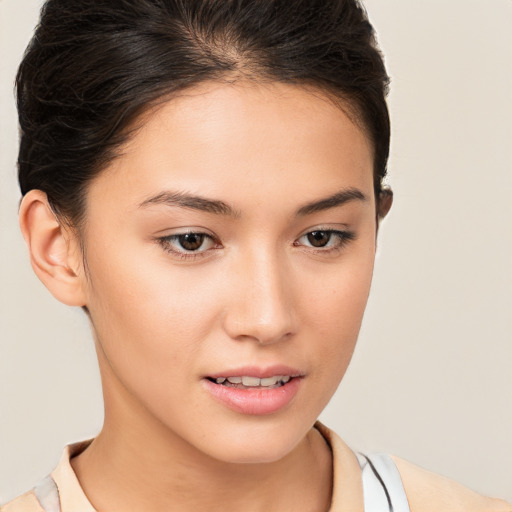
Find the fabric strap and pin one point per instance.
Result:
(382, 485)
(48, 495)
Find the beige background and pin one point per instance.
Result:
(431, 380)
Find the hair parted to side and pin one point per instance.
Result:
(93, 66)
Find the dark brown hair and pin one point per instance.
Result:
(93, 66)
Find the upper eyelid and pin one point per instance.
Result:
(325, 230)
(184, 231)
(345, 230)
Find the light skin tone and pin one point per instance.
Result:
(274, 186)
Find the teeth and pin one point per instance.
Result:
(271, 381)
(253, 382)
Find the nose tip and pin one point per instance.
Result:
(262, 307)
(265, 329)
(262, 334)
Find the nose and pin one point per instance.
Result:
(261, 305)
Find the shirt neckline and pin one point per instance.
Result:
(347, 495)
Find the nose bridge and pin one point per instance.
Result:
(262, 306)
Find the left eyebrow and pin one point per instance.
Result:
(338, 199)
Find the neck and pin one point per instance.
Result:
(126, 469)
(128, 475)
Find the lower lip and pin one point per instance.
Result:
(255, 400)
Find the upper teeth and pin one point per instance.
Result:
(254, 381)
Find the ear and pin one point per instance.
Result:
(54, 251)
(384, 204)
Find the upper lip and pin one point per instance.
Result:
(259, 372)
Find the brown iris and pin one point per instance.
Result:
(319, 238)
(191, 241)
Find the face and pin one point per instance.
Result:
(232, 241)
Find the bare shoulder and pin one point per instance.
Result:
(427, 491)
(25, 503)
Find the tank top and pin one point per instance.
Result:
(382, 487)
(383, 490)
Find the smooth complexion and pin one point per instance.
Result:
(274, 186)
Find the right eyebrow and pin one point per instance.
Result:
(190, 201)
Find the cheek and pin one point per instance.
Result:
(335, 307)
(151, 315)
(338, 294)
(152, 323)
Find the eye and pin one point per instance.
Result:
(325, 239)
(191, 241)
(319, 238)
(190, 244)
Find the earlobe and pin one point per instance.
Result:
(54, 254)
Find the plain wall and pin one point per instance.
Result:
(431, 380)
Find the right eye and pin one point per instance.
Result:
(189, 244)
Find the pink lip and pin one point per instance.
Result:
(261, 373)
(256, 401)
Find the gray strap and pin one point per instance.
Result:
(382, 485)
(48, 495)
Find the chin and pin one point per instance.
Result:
(241, 453)
(261, 442)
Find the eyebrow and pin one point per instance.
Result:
(193, 202)
(217, 207)
(338, 199)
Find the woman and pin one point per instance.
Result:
(204, 179)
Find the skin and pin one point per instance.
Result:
(256, 293)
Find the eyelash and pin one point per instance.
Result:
(344, 238)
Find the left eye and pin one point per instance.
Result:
(324, 238)
(188, 242)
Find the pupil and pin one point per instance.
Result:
(319, 238)
(191, 241)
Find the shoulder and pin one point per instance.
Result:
(25, 503)
(428, 491)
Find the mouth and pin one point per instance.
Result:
(250, 382)
(255, 391)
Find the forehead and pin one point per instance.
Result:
(243, 140)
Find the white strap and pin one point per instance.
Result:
(382, 485)
(48, 495)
